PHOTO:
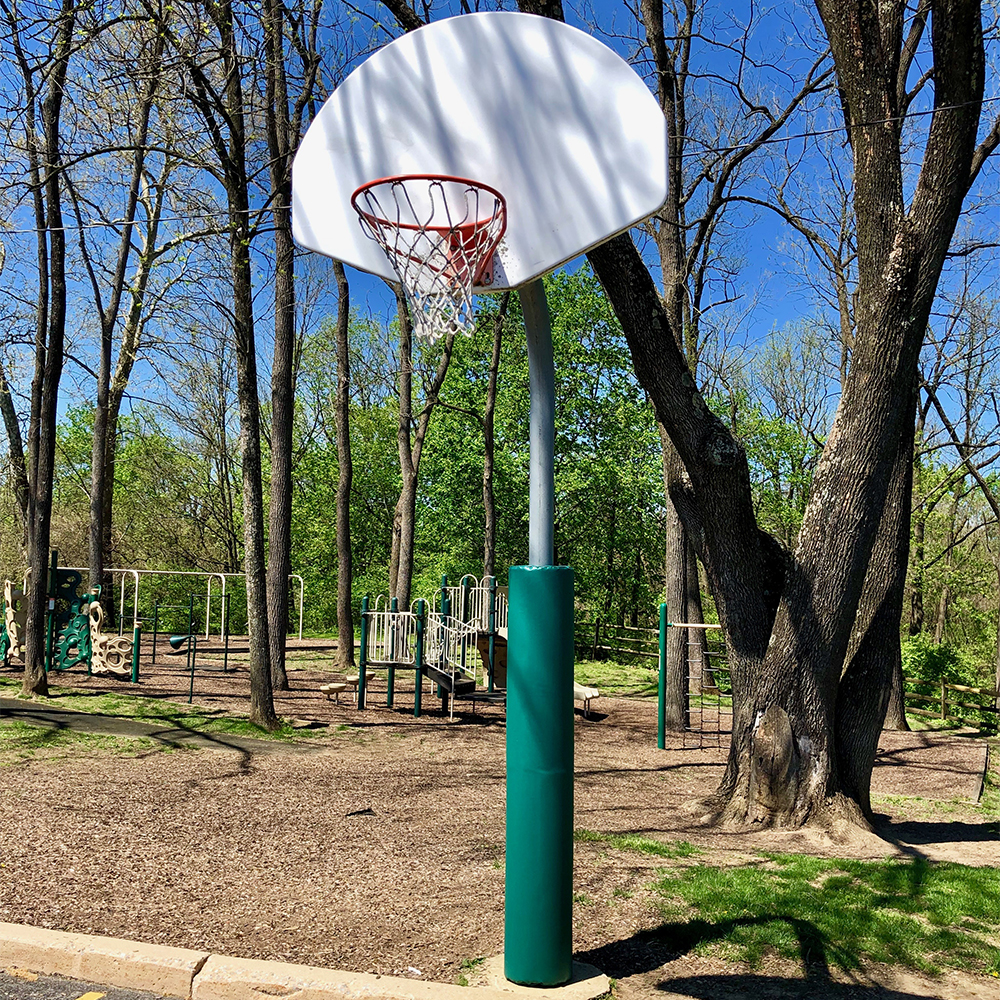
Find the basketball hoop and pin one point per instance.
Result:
(440, 234)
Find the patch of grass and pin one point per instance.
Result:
(644, 845)
(582, 899)
(21, 740)
(191, 718)
(468, 965)
(839, 913)
(618, 679)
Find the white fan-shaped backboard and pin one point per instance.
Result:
(552, 118)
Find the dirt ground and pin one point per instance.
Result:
(382, 850)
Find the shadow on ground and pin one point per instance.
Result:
(648, 951)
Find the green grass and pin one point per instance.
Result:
(837, 913)
(468, 965)
(618, 679)
(21, 741)
(191, 718)
(644, 845)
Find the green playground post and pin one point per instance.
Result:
(661, 688)
(136, 642)
(363, 655)
(390, 692)
(192, 645)
(156, 623)
(418, 657)
(50, 608)
(493, 628)
(225, 633)
(538, 925)
(444, 591)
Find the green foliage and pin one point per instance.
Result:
(19, 740)
(644, 845)
(842, 913)
(618, 679)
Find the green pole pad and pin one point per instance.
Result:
(538, 908)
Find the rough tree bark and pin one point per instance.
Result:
(45, 170)
(101, 483)
(489, 447)
(411, 435)
(788, 620)
(284, 129)
(345, 474)
(223, 112)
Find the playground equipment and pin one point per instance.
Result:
(709, 707)
(437, 644)
(74, 636)
(212, 580)
(188, 641)
(563, 145)
(12, 622)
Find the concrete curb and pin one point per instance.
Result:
(104, 960)
(199, 975)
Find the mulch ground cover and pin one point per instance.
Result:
(383, 850)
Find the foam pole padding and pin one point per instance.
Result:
(538, 908)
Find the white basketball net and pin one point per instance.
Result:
(439, 235)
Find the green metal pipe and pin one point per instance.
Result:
(156, 623)
(390, 691)
(225, 632)
(50, 608)
(136, 643)
(538, 911)
(192, 645)
(418, 657)
(492, 657)
(661, 689)
(363, 655)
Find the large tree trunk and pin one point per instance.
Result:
(410, 450)
(15, 449)
(404, 516)
(282, 138)
(677, 715)
(873, 656)
(231, 152)
(50, 336)
(489, 448)
(345, 473)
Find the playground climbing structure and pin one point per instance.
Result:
(440, 644)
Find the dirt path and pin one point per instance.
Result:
(383, 849)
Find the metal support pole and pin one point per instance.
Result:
(156, 623)
(225, 632)
(50, 608)
(136, 643)
(192, 645)
(541, 378)
(444, 591)
(390, 693)
(418, 658)
(538, 906)
(493, 629)
(363, 657)
(661, 689)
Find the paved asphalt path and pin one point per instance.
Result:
(26, 986)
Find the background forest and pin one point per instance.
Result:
(162, 186)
